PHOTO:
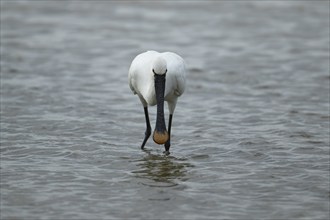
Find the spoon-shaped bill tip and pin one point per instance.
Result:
(160, 137)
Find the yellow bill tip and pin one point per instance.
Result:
(160, 137)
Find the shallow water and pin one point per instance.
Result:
(250, 134)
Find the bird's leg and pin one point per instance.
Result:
(168, 142)
(148, 129)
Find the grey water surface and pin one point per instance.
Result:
(250, 134)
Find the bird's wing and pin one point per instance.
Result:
(181, 81)
(178, 67)
(138, 70)
(131, 86)
(131, 78)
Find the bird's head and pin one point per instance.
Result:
(159, 66)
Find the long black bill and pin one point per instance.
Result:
(160, 135)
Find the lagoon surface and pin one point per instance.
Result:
(250, 134)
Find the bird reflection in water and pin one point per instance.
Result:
(163, 170)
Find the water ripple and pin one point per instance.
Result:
(250, 134)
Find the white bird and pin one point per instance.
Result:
(156, 77)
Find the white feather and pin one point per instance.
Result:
(141, 77)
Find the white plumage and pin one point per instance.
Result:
(142, 74)
(141, 78)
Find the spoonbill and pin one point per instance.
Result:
(157, 77)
